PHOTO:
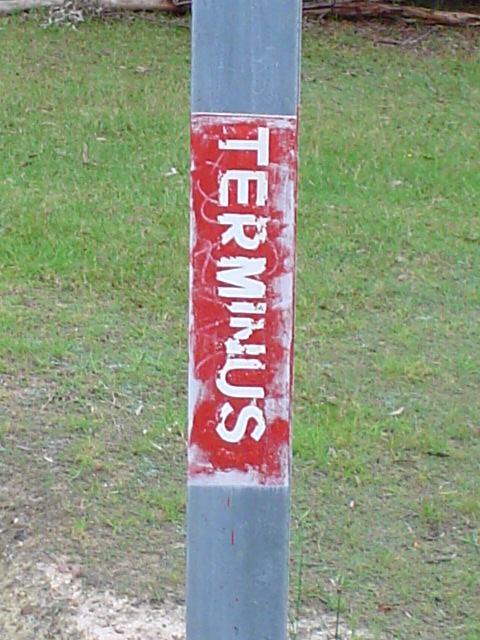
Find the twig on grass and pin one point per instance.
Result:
(408, 42)
(337, 619)
(439, 559)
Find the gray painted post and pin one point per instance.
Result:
(245, 78)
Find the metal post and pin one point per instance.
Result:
(242, 264)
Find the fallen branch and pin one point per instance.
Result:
(374, 9)
(14, 6)
(341, 8)
(136, 5)
(8, 7)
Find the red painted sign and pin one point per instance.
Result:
(242, 265)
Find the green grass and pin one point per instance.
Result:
(93, 295)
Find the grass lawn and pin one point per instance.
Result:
(93, 296)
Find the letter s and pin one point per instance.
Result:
(246, 414)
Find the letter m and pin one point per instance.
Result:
(238, 272)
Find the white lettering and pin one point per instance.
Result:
(237, 223)
(234, 391)
(260, 146)
(243, 179)
(234, 348)
(237, 433)
(248, 326)
(238, 272)
(254, 308)
(242, 277)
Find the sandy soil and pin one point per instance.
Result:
(41, 601)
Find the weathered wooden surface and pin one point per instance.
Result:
(245, 77)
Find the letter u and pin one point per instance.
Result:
(234, 391)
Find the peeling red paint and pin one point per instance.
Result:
(243, 204)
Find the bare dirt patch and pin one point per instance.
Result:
(45, 600)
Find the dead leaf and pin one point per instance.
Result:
(141, 69)
(63, 568)
(475, 428)
(386, 608)
(27, 610)
(76, 571)
(172, 172)
(85, 154)
(397, 412)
